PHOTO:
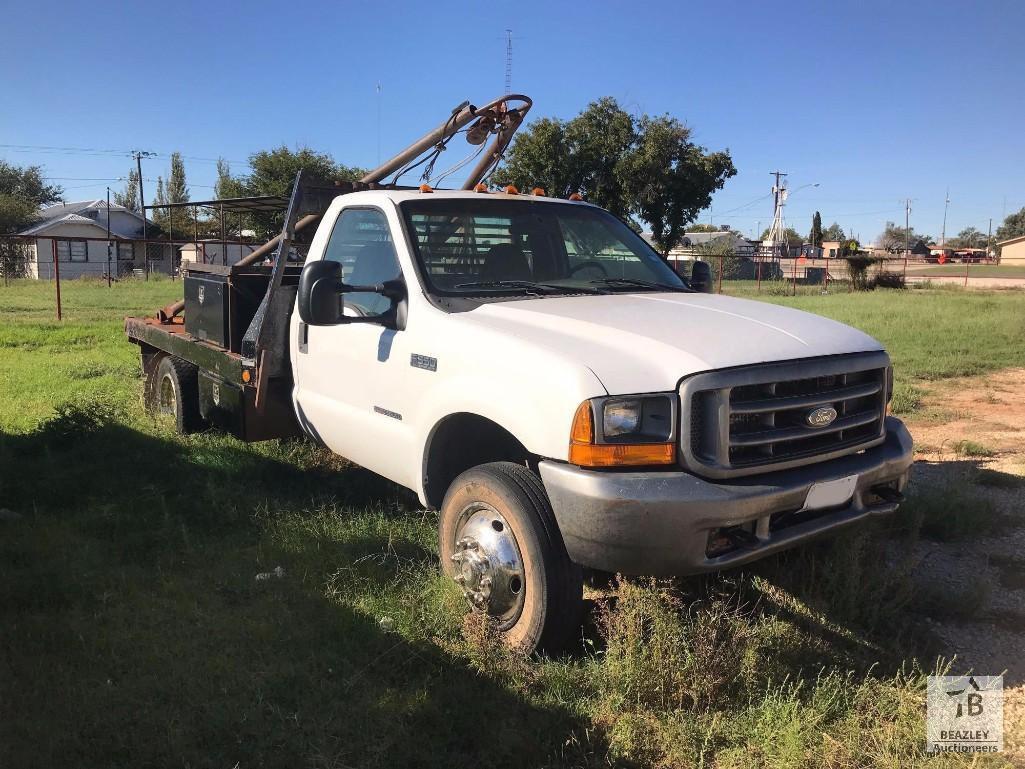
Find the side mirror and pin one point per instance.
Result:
(319, 299)
(701, 277)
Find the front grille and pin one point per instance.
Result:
(745, 420)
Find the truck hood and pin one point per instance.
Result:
(647, 342)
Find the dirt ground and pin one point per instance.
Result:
(970, 436)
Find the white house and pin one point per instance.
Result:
(213, 251)
(78, 231)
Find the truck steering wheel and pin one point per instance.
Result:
(589, 263)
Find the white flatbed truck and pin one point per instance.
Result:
(532, 369)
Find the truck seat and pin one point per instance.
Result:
(505, 262)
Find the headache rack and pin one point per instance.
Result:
(754, 419)
(236, 317)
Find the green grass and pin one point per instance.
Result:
(974, 270)
(932, 334)
(135, 633)
(972, 449)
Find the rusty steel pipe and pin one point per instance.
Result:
(462, 116)
(165, 314)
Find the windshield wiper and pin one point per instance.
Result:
(503, 284)
(640, 284)
(530, 285)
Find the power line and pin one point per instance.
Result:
(746, 205)
(94, 151)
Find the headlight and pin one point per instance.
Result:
(647, 419)
(633, 431)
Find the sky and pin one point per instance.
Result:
(875, 102)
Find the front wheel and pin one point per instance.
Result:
(500, 542)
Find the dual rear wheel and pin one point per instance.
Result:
(172, 391)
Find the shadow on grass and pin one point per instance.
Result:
(134, 632)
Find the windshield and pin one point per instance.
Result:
(484, 246)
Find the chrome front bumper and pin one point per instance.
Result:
(659, 523)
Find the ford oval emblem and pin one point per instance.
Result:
(821, 417)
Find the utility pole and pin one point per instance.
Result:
(989, 238)
(777, 232)
(139, 155)
(508, 61)
(907, 235)
(943, 233)
(108, 237)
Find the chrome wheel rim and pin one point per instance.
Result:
(489, 567)
(168, 401)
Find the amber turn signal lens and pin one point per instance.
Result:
(246, 376)
(582, 431)
(426, 188)
(576, 196)
(538, 191)
(482, 187)
(511, 189)
(622, 454)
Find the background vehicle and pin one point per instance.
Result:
(537, 373)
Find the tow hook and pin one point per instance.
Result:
(887, 493)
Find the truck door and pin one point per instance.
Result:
(349, 378)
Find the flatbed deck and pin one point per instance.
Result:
(174, 339)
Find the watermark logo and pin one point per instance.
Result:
(965, 714)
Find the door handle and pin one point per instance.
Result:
(304, 337)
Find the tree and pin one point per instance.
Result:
(129, 196)
(720, 254)
(273, 173)
(22, 193)
(160, 198)
(833, 232)
(793, 236)
(704, 228)
(174, 191)
(669, 179)
(633, 166)
(894, 237)
(815, 236)
(1013, 226)
(226, 185)
(541, 157)
(177, 189)
(969, 237)
(582, 155)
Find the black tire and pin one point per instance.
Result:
(549, 612)
(174, 392)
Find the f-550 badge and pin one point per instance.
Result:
(426, 362)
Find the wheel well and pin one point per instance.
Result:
(462, 441)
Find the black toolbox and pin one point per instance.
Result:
(206, 307)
